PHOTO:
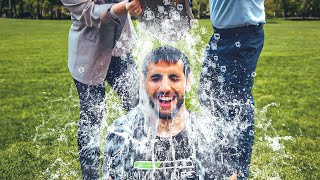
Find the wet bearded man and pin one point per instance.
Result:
(166, 83)
(152, 140)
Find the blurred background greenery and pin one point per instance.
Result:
(53, 9)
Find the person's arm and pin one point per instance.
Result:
(93, 14)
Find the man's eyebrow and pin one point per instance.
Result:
(174, 75)
(155, 75)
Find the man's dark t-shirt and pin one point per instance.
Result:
(132, 153)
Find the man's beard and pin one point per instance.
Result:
(175, 111)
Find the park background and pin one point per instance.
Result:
(39, 104)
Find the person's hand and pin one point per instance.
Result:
(134, 7)
(233, 177)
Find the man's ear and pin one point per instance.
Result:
(189, 82)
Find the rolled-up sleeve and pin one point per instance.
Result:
(88, 12)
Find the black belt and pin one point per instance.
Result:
(246, 29)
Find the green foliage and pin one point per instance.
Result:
(296, 8)
(53, 9)
(272, 9)
(200, 8)
(39, 105)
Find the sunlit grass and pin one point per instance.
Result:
(39, 106)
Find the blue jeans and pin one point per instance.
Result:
(226, 82)
(122, 76)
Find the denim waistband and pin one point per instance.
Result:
(243, 29)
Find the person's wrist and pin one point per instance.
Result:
(119, 8)
(113, 14)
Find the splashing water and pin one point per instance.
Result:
(167, 20)
(210, 133)
(269, 145)
(64, 161)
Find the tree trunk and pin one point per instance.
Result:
(38, 10)
(21, 10)
(31, 10)
(14, 8)
(199, 9)
(0, 8)
(59, 14)
(51, 10)
(10, 9)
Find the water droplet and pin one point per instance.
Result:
(81, 70)
(253, 74)
(216, 36)
(241, 101)
(166, 2)
(214, 46)
(275, 145)
(238, 44)
(123, 57)
(208, 47)
(251, 133)
(180, 7)
(235, 101)
(194, 23)
(220, 79)
(225, 141)
(175, 16)
(203, 30)
(119, 44)
(223, 69)
(167, 25)
(160, 9)
(215, 58)
(148, 15)
(213, 65)
(204, 70)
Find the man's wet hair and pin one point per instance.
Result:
(167, 54)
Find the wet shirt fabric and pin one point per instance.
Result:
(172, 159)
(131, 153)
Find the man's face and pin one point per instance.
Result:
(165, 86)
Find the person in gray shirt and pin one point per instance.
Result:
(228, 70)
(100, 40)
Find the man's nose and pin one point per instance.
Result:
(165, 85)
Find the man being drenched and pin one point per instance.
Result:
(161, 139)
(154, 141)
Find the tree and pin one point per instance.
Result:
(301, 8)
(53, 9)
(272, 9)
(200, 7)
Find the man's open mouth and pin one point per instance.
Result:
(163, 99)
(166, 101)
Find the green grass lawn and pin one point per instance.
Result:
(39, 107)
